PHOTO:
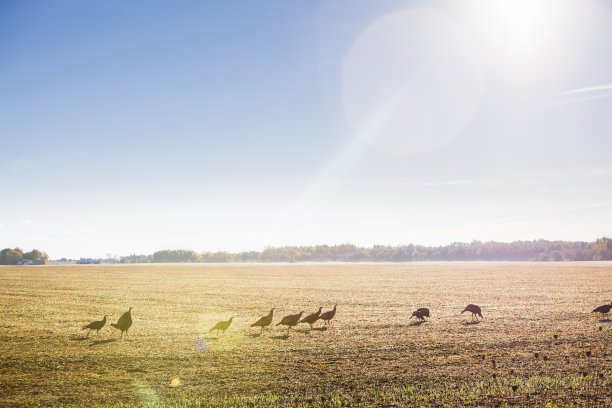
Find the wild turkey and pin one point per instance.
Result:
(424, 311)
(604, 309)
(264, 321)
(474, 309)
(124, 323)
(327, 316)
(290, 321)
(222, 326)
(95, 326)
(311, 318)
(420, 313)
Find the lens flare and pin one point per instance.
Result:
(199, 344)
(412, 82)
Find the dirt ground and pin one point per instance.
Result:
(537, 329)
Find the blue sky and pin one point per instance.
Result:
(128, 128)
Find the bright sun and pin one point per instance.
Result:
(414, 79)
(517, 28)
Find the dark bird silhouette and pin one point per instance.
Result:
(222, 326)
(327, 316)
(420, 313)
(290, 321)
(424, 311)
(475, 310)
(311, 318)
(264, 321)
(124, 323)
(95, 326)
(604, 309)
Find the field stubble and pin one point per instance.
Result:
(372, 354)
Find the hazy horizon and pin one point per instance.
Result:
(131, 128)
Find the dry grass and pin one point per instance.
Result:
(372, 355)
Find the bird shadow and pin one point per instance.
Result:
(79, 338)
(471, 323)
(98, 342)
(282, 337)
(210, 338)
(605, 320)
(417, 323)
(319, 328)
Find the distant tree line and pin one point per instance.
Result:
(14, 256)
(540, 250)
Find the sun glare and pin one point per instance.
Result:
(522, 23)
(518, 29)
(411, 82)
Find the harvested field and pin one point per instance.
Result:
(372, 354)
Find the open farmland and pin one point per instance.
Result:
(371, 355)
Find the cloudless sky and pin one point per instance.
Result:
(129, 127)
